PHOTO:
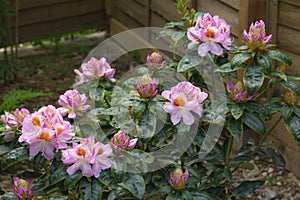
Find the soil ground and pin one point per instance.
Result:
(51, 69)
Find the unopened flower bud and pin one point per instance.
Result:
(121, 142)
(147, 87)
(290, 98)
(23, 189)
(178, 178)
(154, 61)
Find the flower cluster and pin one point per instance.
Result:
(23, 189)
(44, 131)
(213, 34)
(237, 92)
(73, 103)
(121, 142)
(90, 157)
(256, 38)
(184, 98)
(147, 87)
(95, 69)
(13, 122)
(178, 178)
(155, 61)
(290, 98)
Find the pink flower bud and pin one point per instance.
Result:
(154, 61)
(237, 93)
(147, 87)
(121, 142)
(23, 189)
(178, 179)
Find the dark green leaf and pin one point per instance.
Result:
(247, 187)
(276, 157)
(286, 112)
(199, 195)
(237, 110)
(291, 86)
(189, 62)
(146, 126)
(58, 175)
(9, 196)
(266, 63)
(272, 107)
(228, 174)
(280, 75)
(253, 121)
(4, 149)
(292, 124)
(253, 78)
(135, 184)
(296, 110)
(175, 196)
(178, 35)
(91, 190)
(194, 158)
(107, 179)
(39, 162)
(16, 155)
(240, 159)
(280, 56)
(226, 68)
(141, 156)
(239, 59)
(235, 127)
(71, 180)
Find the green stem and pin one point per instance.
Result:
(261, 142)
(228, 150)
(262, 92)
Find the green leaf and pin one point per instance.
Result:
(178, 35)
(135, 184)
(292, 124)
(141, 156)
(16, 155)
(276, 157)
(194, 158)
(266, 63)
(58, 175)
(235, 127)
(97, 94)
(280, 56)
(9, 196)
(38, 162)
(226, 68)
(239, 59)
(237, 110)
(286, 112)
(175, 196)
(253, 121)
(72, 180)
(199, 195)
(272, 107)
(240, 159)
(189, 62)
(91, 190)
(296, 110)
(173, 24)
(247, 187)
(107, 179)
(228, 174)
(253, 78)
(291, 86)
(146, 126)
(280, 75)
(4, 149)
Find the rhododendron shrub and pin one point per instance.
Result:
(166, 132)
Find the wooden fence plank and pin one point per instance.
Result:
(292, 2)
(215, 7)
(272, 18)
(62, 26)
(133, 9)
(29, 4)
(166, 9)
(289, 16)
(54, 12)
(288, 39)
(232, 3)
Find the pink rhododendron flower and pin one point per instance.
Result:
(212, 33)
(95, 69)
(178, 179)
(45, 131)
(184, 98)
(13, 122)
(23, 189)
(147, 87)
(155, 61)
(73, 103)
(256, 39)
(237, 93)
(90, 157)
(44, 142)
(121, 142)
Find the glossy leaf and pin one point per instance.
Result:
(286, 112)
(266, 63)
(235, 127)
(239, 59)
(226, 68)
(135, 184)
(291, 86)
(189, 62)
(58, 175)
(228, 174)
(280, 75)
(276, 157)
(16, 155)
(107, 179)
(4, 149)
(253, 121)
(91, 190)
(146, 126)
(72, 180)
(237, 110)
(279, 56)
(292, 124)
(253, 78)
(199, 195)
(247, 187)
(240, 159)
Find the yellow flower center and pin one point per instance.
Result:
(45, 136)
(210, 33)
(179, 101)
(36, 121)
(81, 152)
